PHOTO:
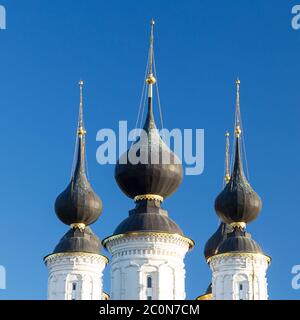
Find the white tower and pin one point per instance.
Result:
(237, 262)
(76, 266)
(148, 248)
(239, 276)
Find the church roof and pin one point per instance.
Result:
(239, 241)
(148, 217)
(79, 240)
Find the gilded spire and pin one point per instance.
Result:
(81, 131)
(227, 171)
(151, 79)
(238, 129)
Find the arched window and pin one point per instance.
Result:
(149, 282)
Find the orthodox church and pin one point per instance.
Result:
(148, 248)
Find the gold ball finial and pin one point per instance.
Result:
(151, 79)
(227, 134)
(80, 83)
(81, 131)
(238, 81)
(238, 131)
(152, 23)
(227, 178)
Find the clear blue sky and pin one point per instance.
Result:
(201, 47)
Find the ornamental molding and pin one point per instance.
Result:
(148, 237)
(242, 255)
(67, 257)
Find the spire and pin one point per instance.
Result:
(238, 121)
(79, 206)
(227, 170)
(151, 79)
(81, 131)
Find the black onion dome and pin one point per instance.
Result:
(238, 202)
(239, 241)
(160, 176)
(148, 216)
(216, 239)
(79, 240)
(78, 203)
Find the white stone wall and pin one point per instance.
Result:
(75, 276)
(239, 276)
(159, 257)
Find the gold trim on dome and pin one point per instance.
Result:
(234, 254)
(141, 233)
(80, 226)
(75, 253)
(207, 296)
(154, 197)
(240, 225)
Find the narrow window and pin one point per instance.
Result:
(241, 287)
(149, 282)
(74, 286)
(149, 298)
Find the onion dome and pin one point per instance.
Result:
(239, 241)
(149, 167)
(79, 204)
(238, 203)
(148, 172)
(216, 239)
(149, 176)
(79, 240)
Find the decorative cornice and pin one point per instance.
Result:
(77, 253)
(241, 254)
(190, 242)
(154, 197)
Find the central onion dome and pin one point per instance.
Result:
(78, 204)
(149, 168)
(158, 172)
(238, 202)
(148, 172)
(149, 183)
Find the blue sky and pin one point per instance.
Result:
(201, 47)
